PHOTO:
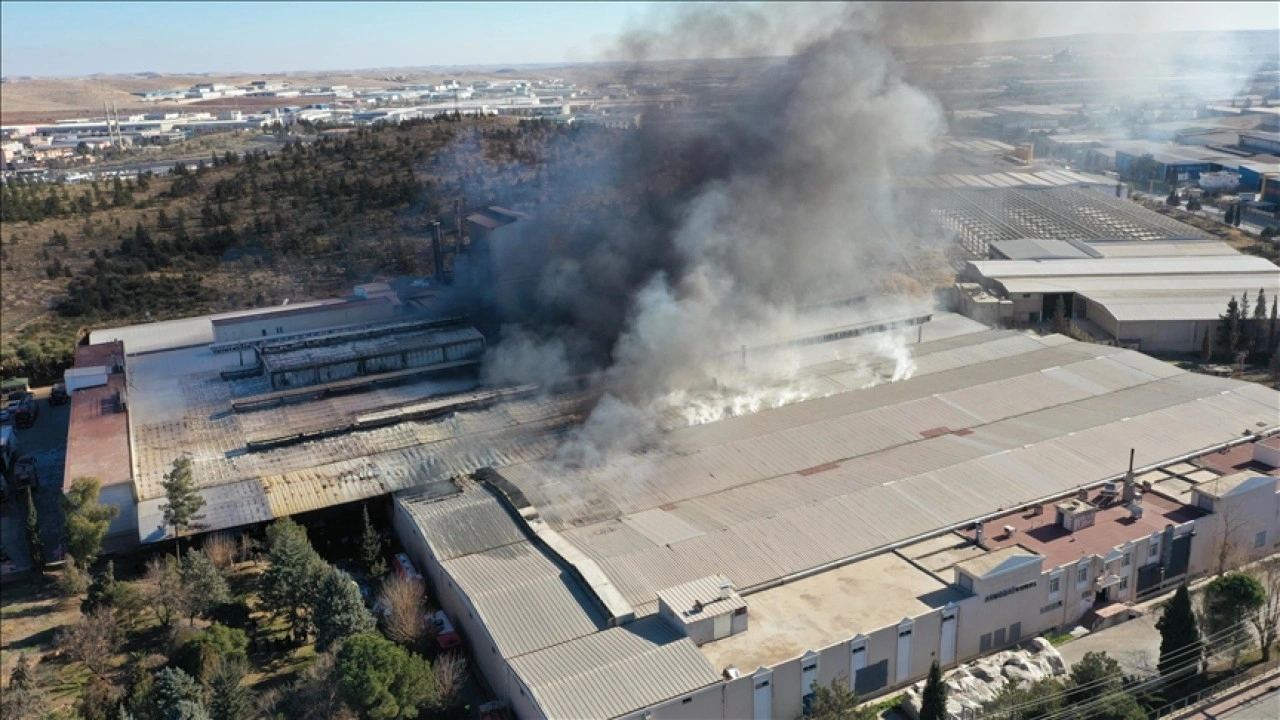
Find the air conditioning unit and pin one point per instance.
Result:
(1009, 530)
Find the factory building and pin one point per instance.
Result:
(504, 260)
(356, 311)
(99, 444)
(1154, 297)
(990, 497)
(979, 217)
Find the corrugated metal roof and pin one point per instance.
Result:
(471, 522)
(615, 672)
(700, 599)
(1005, 421)
(525, 600)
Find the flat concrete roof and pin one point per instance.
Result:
(98, 435)
(786, 621)
(1112, 526)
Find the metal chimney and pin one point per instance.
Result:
(978, 535)
(1127, 494)
(437, 251)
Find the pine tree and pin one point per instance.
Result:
(34, 543)
(290, 583)
(1060, 323)
(1246, 323)
(1273, 328)
(87, 520)
(1229, 328)
(100, 590)
(1258, 325)
(1180, 646)
(183, 501)
(933, 700)
(229, 698)
(207, 587)
(371, 547)
(340, 611)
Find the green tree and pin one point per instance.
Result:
(1096, 674)
(1273, 327)
(183, 501)
(1258, 325)
(100, 589)
(339, 611)
(1060, 323)
(933, 699)
(1229, 328)
(1180, 647)
(837, 702)
(381, 680)
(229, 697)
(87, 520)
(203, 655)
(174, 693)
(1042, 698)
(371, 547)
(73, 581)
(1173, 200)
(205, 583)
(292, 578)
(1230, 602)
(24, 698)
(35, 545)
(1235, 219)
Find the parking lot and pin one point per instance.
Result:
(46, 441)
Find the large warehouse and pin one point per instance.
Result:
(979, 217)
(860, 534)
(1150, 296)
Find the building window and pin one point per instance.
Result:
(1055, 585)
(1082, 575)
(1260, 539)
(279, 329)
(686, 701)
(1154, 550)
(1124, 583)
(1124, 560)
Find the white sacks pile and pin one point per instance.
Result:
(972, 685)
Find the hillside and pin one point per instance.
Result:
(248, 230)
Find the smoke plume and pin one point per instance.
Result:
(786, 202)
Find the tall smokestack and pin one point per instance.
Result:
(1128, 492)
(437, 251)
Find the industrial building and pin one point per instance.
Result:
(863, 534)
(1149, 296)
(99, 444)
(503, 261)
(979, 217)
(721, 572)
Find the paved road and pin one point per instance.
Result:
(1135, 644)
(47, 442)
(1261, 703)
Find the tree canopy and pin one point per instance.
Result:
(292, 580)
(339, 610)
(87, 520)
(1180, 647)
(381, 680)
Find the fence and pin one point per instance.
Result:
(1212, 692)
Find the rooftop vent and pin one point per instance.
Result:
(1135, 510)
(1075, 515)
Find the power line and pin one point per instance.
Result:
(1231, 635)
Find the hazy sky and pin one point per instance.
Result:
(71, 38)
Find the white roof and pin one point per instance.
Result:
(990, 420)
(1125, 266)
(614, 672)
(181, 333)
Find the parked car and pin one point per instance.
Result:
(59, 395)
(446, 636)
(26, 411)
(24, 473)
